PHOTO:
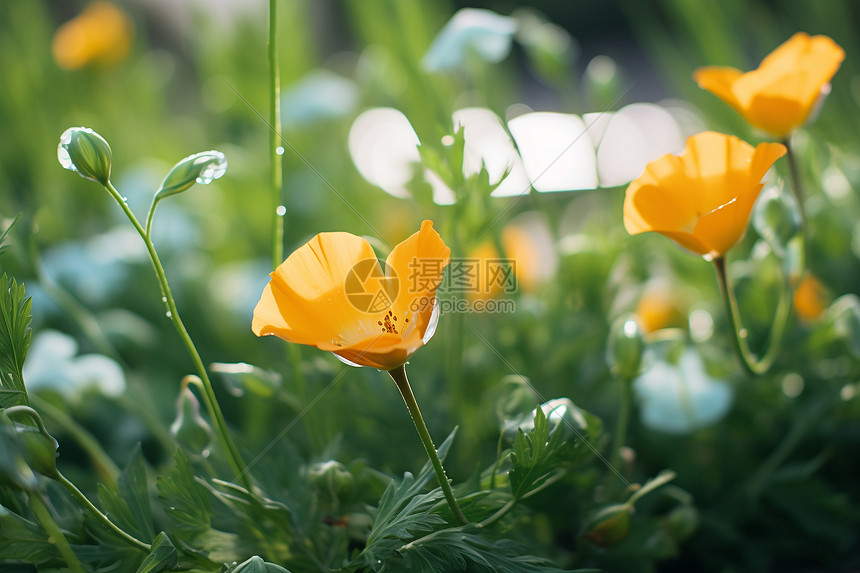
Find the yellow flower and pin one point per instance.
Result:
(810, 298)
(660, 306)
(332, 293)
(101, 34)
(779, 96)
(702, 198)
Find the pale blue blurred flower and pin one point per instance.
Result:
(319, 95)
(52, 363)
(470, 31)
(680, 398)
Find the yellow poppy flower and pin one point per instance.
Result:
(101, 34)
(702, 198)
(332, 293)
(779, 96)
(810, 298)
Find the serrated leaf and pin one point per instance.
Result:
(128, 505)
(15, 335)
(5, 233)
(23, 540)
(456, 550)
(536, 457)
(162, 555)
(185, 500)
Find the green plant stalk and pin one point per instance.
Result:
(796, 185)
(55, 534)
(753, 365)
(104, 465)
(101, 518)
(623, 420)
(275, 135)
(399, 376)
(230, 450)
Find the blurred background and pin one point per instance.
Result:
(161, 80)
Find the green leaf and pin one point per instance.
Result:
(186, 501)
(256, 565)
(404, 512)
(23, 540)
(5, 233)
(15, 335)
(536, 457)
(162, 555)
(128, 505)
(455, 550)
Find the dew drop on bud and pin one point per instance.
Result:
(213, 170)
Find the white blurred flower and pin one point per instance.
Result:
(52, 363)
(680, 398)
(470, 31)
(319, 95)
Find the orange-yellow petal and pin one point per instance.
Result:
(418, 263)
(719, 80)
(305, 301)
(101, 34)
(701, 199)
(780, 94)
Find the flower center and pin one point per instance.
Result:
(388, 323)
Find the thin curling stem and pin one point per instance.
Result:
(101, 518)
(237, 465)
(753, 365)
(399, 377)
(275, 135)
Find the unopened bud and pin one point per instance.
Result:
(624, 347)
(83, 150)
(39, 449)
(190, 429)
(203, 168)
(610, 525)
(14, 470)
(332, 477)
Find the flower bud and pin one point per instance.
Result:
(203, 168)
(39, 449)
(83, 150)
(190, 429)
(332, 477)
(609, 526)
(14, 470)
(624, 347)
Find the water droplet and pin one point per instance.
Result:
(124, 199)
(63, 153)
(279, 150)
(164, 299)
(214, 170)
(743, 333)
(447, 140)
(281, 210)
(168, 314)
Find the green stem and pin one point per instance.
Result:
(621, 424)
(230, 449)
(275, 135)
(55, 534)
(104, 465)
(151, 214)
(753, 365)
(399, 376)
(101, 518)
(796, 185)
